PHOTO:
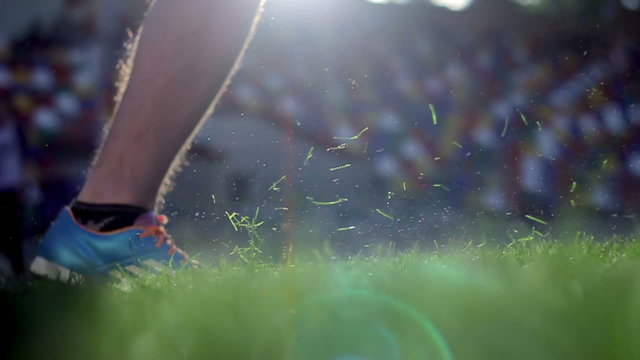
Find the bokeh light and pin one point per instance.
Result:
(528, 2)
(631, 4)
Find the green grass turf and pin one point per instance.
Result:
(576, 299)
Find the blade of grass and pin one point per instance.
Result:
(533, 218)
(232, 219)
(309, 156)
(340, 167)
(523, 118)
(327, 203)
(274, 186)
(506, 126)
(339, 147)
(434, 116)
(346, 228)
(354, 137)
(385, 214)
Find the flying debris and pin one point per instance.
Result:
(309, 156)
(434, 116)
(533, 218)
(355, 137)
(385, 214)
(340, 167)
(274, 186)
(506, 126)
(326, 203)
(346, 228)
(523, 118)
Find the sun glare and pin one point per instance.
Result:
(388, 1)
(454, 5)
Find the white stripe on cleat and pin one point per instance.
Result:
(43, 267)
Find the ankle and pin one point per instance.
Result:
(106, 216)
(115, 196)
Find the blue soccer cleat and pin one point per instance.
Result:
(71, 250)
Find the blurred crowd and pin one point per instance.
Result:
(50, 117)
(504, 121)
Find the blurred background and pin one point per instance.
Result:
(419, 121)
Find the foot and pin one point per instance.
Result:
(70, 249)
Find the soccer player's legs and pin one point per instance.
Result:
(185, 55)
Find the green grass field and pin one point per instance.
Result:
(541, 299)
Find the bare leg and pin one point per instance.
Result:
(186, 54)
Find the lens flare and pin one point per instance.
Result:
(356, 324)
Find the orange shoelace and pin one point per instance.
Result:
(158, 231)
